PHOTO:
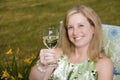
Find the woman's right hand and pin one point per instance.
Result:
(48, 57)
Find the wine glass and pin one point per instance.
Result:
(50, 37)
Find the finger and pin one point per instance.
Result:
(48, 50)
(42, 57)
(51, 59)
(43, 61)
(48, 56)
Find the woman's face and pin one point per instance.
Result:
(80, 32)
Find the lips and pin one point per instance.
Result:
(77, 38)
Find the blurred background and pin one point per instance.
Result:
(22, 21)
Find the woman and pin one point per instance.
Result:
(82, 57)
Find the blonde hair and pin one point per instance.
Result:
(96, 42)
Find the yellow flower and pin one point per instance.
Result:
(28, 61)
(9, 52)
(33, 56)
(12, 78)
(5, 74)
(20, 75)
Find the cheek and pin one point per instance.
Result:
(89, 31)
(69, 33)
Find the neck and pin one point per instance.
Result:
(81, 52)
(79, 56)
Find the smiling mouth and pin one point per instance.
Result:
(77, 38)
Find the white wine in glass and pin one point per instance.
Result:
(50, 38)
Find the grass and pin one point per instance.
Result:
(22, 21)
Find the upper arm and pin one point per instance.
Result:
(105, 69)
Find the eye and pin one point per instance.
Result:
(80, 25)
(70, 27)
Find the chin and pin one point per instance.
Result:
(80, 45)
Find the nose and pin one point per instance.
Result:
(75, 32)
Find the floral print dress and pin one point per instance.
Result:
(69, 71)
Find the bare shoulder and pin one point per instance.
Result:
(104, 61)
(104, 67)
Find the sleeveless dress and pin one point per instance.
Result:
(69, 71)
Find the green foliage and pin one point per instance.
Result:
(22, 21)
(13, 67)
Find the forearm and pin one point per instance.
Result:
(45, 66)
(37, 74)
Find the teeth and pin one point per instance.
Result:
(78, 38)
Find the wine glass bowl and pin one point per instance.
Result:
(50, 37)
